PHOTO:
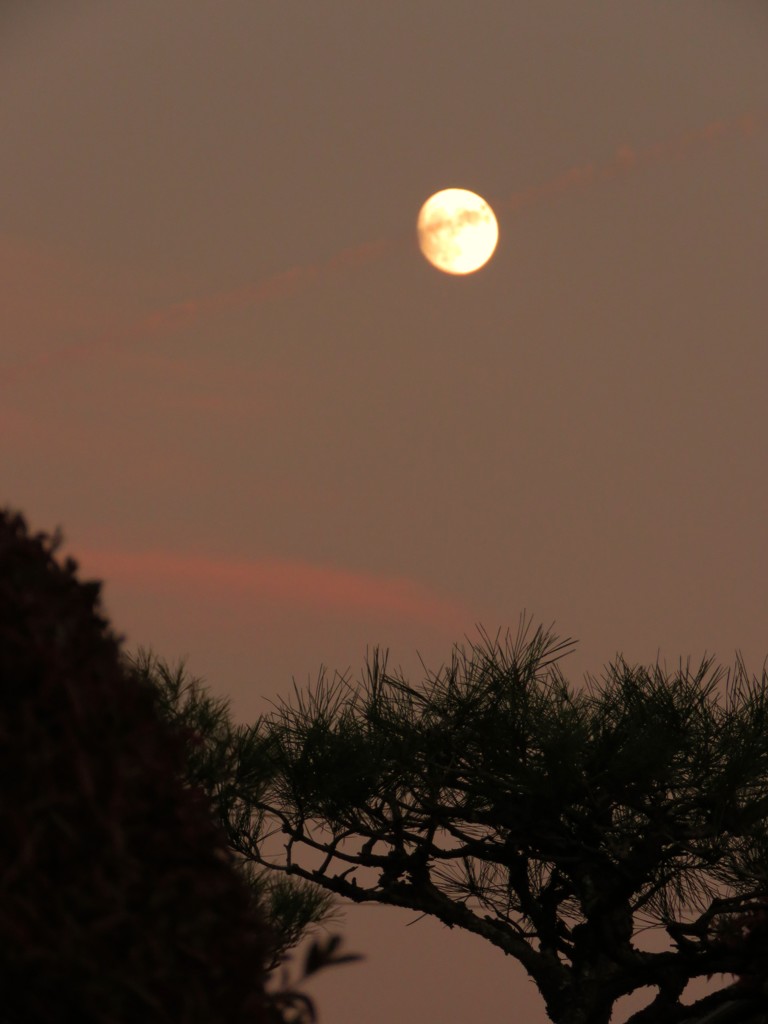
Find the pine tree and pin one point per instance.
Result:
(553, 823)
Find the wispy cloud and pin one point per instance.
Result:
(183, 314)
(179, 316)
(629, 159)
(120, 342)
(323, 587)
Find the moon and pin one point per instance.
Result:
(457, 231)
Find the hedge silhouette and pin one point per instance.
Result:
(119, 898)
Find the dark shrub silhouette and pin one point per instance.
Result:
(119, 899)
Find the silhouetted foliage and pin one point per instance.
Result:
(555, 824)
(219, 761)
(119, 898)
(747, 936)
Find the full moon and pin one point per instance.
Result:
(457, 231)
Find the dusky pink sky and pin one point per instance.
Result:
(281, 438)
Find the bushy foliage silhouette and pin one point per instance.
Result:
(119, 898)
(216, 763)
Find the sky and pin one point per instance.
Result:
(282, 438)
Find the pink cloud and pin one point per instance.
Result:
(322, 587)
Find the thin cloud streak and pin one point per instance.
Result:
(183, 315)
(629, 159)
(278, 286)
(626, 160)
(320, 587)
